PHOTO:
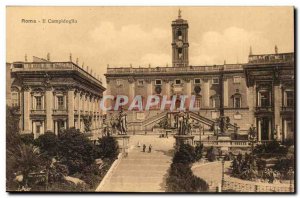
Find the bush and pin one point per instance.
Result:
(273, 148)
(107, 148)
(185, 154)
(48, 144)
(27, 138)
(57, 172)
(181, 179)
(283, 166)
(198, 152)
(76, 150)
(211, 154)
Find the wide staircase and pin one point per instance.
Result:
(139, 171)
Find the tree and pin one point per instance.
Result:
(185, 154)
(48, 144)
(25, 160)
(75, 150)
(107, 148)
(87, 121)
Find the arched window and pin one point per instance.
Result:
(179, 34)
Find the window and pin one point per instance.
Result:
(215, 81)
(216, 102)
(289, 98)
(180, 53)
(197, 81)
(178, 82)
(60, 102)
(237, 101)
(179, 34)
(158, 82)
(15, 99)
(236, 79)
(38, 127)
(38, 100)
(140, 82)
(264, 98)
(198, 102)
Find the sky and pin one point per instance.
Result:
(139, 36)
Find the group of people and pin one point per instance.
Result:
(144, 147)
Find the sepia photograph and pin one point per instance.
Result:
(150, 99)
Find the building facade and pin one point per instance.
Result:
(220, 90)
(270, 77)
(52, 96)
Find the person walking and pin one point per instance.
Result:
(150, 147)
(144, 148)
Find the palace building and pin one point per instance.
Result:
(259, 92)
(51, 96)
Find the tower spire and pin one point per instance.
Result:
(179, 14)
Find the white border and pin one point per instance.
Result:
(4, 3)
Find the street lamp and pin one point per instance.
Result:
(222, 182)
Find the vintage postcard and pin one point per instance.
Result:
(150, 99)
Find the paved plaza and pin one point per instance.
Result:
(139, 171)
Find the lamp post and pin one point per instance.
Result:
(222, 182)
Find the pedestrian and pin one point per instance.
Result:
(144, 148)
(150, 147)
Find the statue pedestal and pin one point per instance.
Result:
(184, 139)
(123, 142)
(224, 142)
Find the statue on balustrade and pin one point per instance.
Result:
(122, 126)
(184, 123)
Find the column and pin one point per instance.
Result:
(56, 128)
(79, 108)
(168, 88)
(206, 93)
(149, 88)
(49, 107)
(188, 87)
(108, 103)
(225, 90)
(277, 101)
(259, 129)
(251, 103)
(131, 91)
(27, 121)
(71, 107)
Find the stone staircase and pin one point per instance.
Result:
(139, 171)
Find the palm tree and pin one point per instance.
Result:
(25, 160)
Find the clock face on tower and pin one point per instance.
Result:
(179, 44)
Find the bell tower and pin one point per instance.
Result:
(180, 44)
